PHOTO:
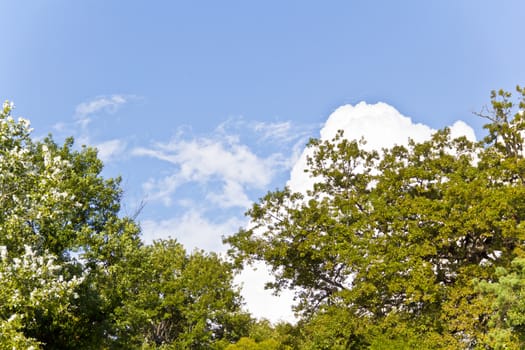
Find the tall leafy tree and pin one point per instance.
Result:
(75, 274)
(60, 215)
(396, 238)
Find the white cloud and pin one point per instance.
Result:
(223, 162)
(279, 133)
(108, 150)
(108, 104)
(460, 128)
(381, 125)
(192, 229)
(232, 195)
(261, 302)
(206, 160)
(85, 110)
(84, 121)
(275, 131)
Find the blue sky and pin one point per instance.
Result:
(203, 106)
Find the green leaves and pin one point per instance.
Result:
(414, 246)
(399, 235)
(185, 300)
(34, 286)
(507, 307)
(75, 274)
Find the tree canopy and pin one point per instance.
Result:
(387, 248)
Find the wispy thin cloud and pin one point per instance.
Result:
(275, 131)
(109, 150)
(280, 132)
(84, 123)
(210, 160)
(107, 104)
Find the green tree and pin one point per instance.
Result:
(180, 300)
(60, 214)
(75, 274)
(250, 344)
(397, 237)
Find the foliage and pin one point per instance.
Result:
(33, 287)
(396, 238)
(75, 274)
(507, 323)
(250, 344)
(417, 246)
(183, 300)
(263, 335)
(55, 203)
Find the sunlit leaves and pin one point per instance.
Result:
(400, 234)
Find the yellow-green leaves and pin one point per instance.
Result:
(401, 234)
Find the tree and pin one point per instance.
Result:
(397, 237)
(54, 205)
(250, 344)
(180, 300)
(75, 274)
